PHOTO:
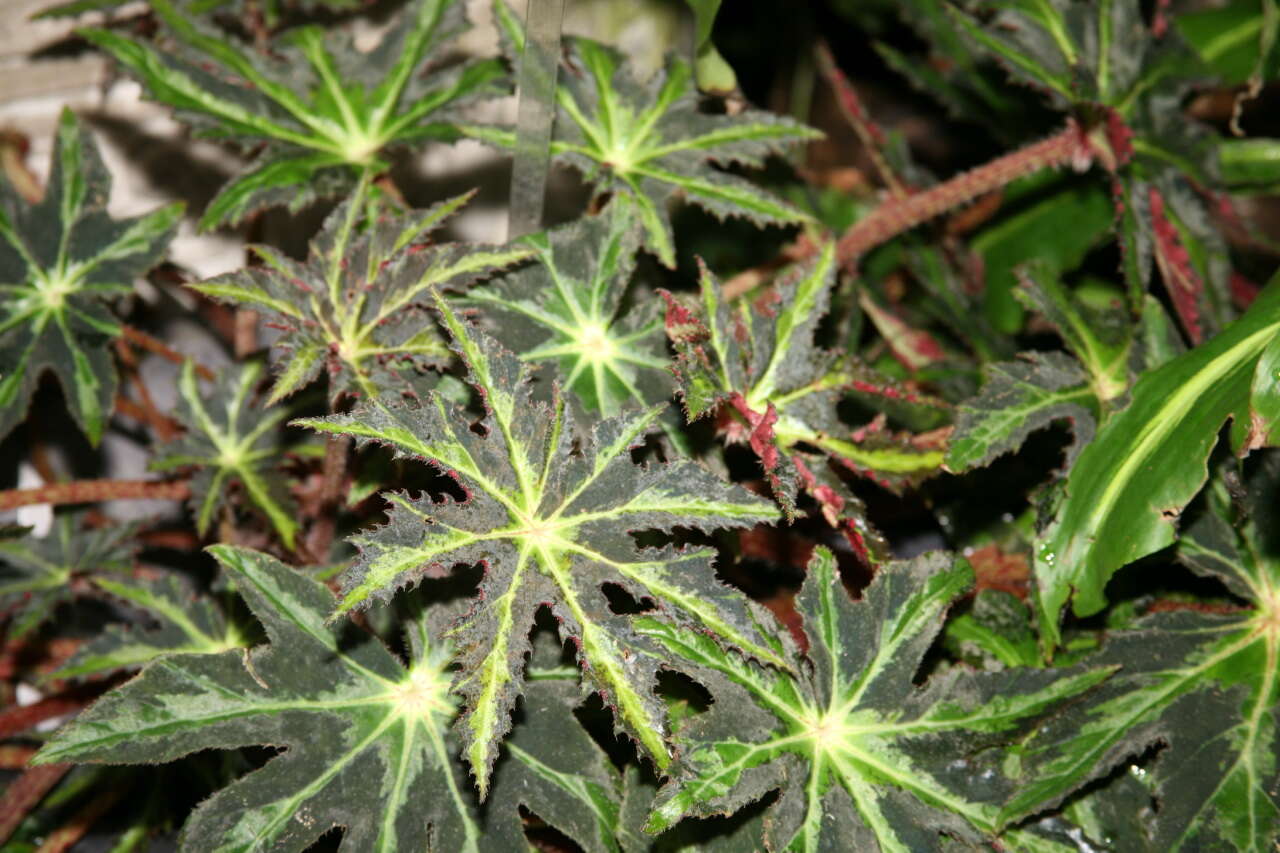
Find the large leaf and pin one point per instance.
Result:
(863, 758)
(649, 141)
(229, 441)
(1203, 685)
(1128, 486)
(549, 511)
(365, 738)
(63, 261)
(760, 368)
(568, 311)
(354, 310)
(325, 111)
(38, 575)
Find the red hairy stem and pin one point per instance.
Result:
(91, 491)
(851, 107)
(142, 340)
(24, 793)
(1108, 144)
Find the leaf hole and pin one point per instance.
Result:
(623, 602)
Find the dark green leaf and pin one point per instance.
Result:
(63, 261)
(1018, 398)
(549, 511)
(326, 112)
(356, 309)
(864, 759)
(187, 623)
(38, 575)
(649, 142)
(365, 739)
(568, 311)
(229, 440)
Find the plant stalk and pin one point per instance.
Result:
(92, 491)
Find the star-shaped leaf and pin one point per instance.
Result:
(864, 758)
(354, 309)
(568, 311)
(549, 512)
(326, 112)
(1203, 683)
(37, 575)
(777, 390)
(365, 738)
(230, 441)
(63, 261)
(650, 141)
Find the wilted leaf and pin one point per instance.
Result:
(549, 511)
(63, 261)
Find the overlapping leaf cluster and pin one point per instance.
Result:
(553, 555)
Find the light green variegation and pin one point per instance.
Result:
(863, 758)
(1203, 684)
(568, 311)
(229, 440)
(1017, 398)
(37, 575)
(184, 622)
(63, 262)
(552, 525)
(355, 309)
(1129, 485)
(326, 111)
(366, 737)
(650, 142)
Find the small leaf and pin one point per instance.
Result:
(649, 142)
(63, 261)
(549, 511)
(777, 391)
(356, 309)
(1018, 398)
(568, 311)
(228, 440)
(39, 575)
(188, 623)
